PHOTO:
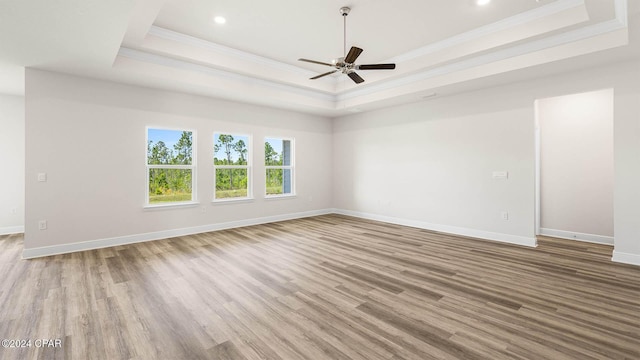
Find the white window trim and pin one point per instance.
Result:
(192, 167)
(291, 167)
(171, 205)
(247, 167)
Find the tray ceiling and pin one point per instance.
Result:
(176, 45)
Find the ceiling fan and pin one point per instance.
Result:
(346, 64)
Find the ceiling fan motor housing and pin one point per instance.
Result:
(345, 10)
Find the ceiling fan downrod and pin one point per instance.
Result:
(344, 11)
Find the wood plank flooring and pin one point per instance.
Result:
(327, 287)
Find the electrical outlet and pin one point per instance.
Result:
(42, 224)
(504, 215)
(500, 175)
(13, 211)
(203, 209)
(42, 177)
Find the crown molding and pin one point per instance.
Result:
(542, 44)
(619, 22)
(250, 80)
(501, 25)
(221, 49)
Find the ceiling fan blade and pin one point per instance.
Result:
(315, 62)
(321, 75)
(376, 67)
(355, 77)
(352, 55)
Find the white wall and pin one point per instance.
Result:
(11, 164)
(89, 137)
(431, 164)
(441, 154)
(577, 166)
(448, 146)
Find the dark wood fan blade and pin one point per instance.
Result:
(355, 77)
(316, 62)
(321, 75)
(352, 55)
(376, 67)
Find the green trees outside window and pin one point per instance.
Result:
(231, 162)
(171, 170)
(278, 161)
(170, 166)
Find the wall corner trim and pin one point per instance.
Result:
(158, 235)
(479, 234)
(626, 258)
(11, 230)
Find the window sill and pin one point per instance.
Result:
(171, 205)
(280, 197)
(232, 201)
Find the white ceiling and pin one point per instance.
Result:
(174, 44)
(286, 30)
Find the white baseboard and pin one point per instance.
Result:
(487, 235)
(626, 258)
(618, 256)
(599, 239)
(11, 230)
(131, 239)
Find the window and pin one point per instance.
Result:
(278, 161)
(170, 166)
(232, 166)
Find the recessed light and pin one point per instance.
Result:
(219, 20)
(482, 2)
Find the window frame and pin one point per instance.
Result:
(247, 167)
(192, 167)
(291, 167)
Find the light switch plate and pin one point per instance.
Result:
(42, 177)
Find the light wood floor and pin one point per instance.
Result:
(328, 287)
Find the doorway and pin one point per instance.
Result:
(574, 166)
